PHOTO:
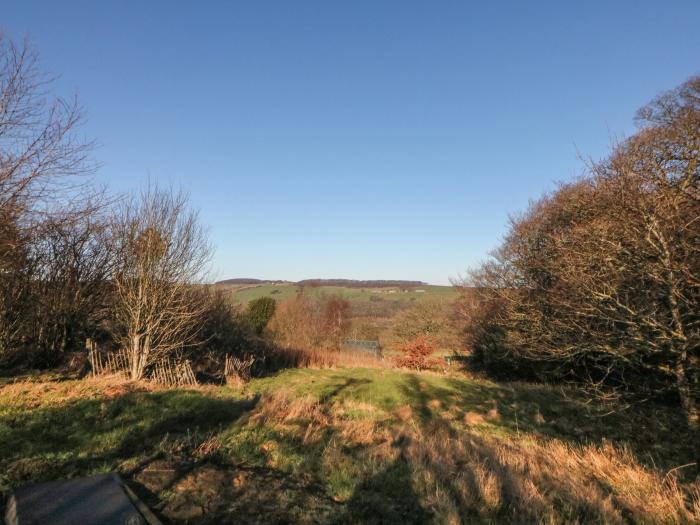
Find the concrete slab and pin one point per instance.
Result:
(94, 500)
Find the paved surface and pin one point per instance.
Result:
(94, 500)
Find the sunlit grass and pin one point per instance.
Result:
(358, 444)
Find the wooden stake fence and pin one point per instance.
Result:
(234, 367)
(107, 362)
(166, 371)
(173, 373)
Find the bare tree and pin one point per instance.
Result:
(161, 254)
(71, 265)
(335, 320)
(40, 155)
(15, 292)
(601, 280)
(39, 146)
(295, 322)
(433, 318)
(311, 322)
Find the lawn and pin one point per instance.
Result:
(354, 445)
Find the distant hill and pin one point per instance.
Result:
(369, 297)
(352, 283)
(245, 280)
(347, 283)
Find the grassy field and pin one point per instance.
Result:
(245, 293)
(354, 445)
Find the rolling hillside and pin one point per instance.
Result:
(280, 290)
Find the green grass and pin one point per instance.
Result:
(522, 407)
(93, 435)
(343, 453)
(246, 293)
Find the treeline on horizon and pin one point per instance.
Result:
(347, 283)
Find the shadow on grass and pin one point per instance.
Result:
(550, 412)
(337, 389)
(480, 478)
(85, 436)
(467, 446)
(387, 497)
(311, 469)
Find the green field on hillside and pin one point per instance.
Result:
(245, 293)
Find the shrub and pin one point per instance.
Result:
(282, 357)
(259, 313)
(429, 317)
(222, 328)
(293, 324)
(335, 320)
(417, 354)
(598, 281)
(306, 322)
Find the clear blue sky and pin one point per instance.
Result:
(357, 139)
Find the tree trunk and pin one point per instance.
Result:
(690, 404)
(145, 352)
(135, 354)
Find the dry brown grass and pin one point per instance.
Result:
(459, 466)
(327, 358)
(465, 475)
(303, 415)
(543, 481)
(310, 419)
(30, 393)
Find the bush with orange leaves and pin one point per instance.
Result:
(417, 354)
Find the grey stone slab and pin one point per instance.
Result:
(94, 500)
